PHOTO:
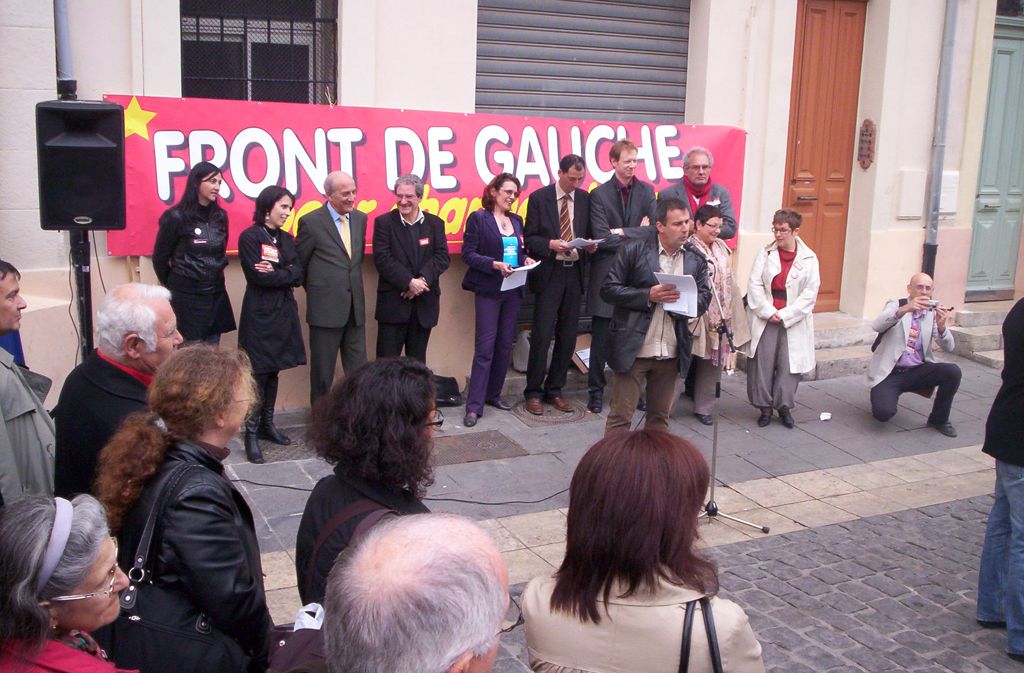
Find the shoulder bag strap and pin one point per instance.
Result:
(684, 655)
(349, 512)
(139, 571)
(878, 339)
(709, 624)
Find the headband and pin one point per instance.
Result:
(58, 541)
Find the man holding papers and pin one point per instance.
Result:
(648, 341)
(557, 216)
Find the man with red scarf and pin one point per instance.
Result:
(696, 189)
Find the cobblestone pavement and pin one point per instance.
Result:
(894, 592)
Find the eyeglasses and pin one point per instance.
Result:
(712, 226)
(513, 609)
(510, 192)
(703, 168)
(780, 230)
(438, 419)
(106, 592)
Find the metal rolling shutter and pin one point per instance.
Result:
(590, 59)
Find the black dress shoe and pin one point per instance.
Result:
(500, 404)
(946, 428)
(595, 405)
(991, 625)
(253, 453)
(764, 420)
(469, 420)
(270, 433)
(705, 419)
(787, 419)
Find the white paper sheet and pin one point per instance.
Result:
(584, 242)
(687, 287)
(518, 277)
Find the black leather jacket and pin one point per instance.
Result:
(205, 548)
(190, 255)
(627, 289)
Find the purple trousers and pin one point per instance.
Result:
(496, 317)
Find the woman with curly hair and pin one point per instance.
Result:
(204, 565)
(376, 427)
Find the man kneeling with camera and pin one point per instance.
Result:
(903, 361)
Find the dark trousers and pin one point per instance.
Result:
(411, 335)
(600, 335)
(944, 375)
(324, 345)
(496, 317)
(556, 313)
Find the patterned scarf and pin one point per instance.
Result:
(718, 256)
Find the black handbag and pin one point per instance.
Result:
(159, 630)
(709, 626)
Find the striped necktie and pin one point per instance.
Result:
(564, 222)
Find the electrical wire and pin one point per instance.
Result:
(432, 499)
(71, 315)
(96, 254)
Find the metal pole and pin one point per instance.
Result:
(931, 238)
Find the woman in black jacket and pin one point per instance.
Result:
(190, 255)
(269, 329)
(205, 561)
(376, 426)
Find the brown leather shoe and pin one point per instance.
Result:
(560, 404)
(533, 406)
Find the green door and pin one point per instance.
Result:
(998, 212)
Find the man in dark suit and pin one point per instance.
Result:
(137, 331)
(617, 208)
(696, 189)
(650, 344)
(330, 242)
(556, 215)
(410, 252)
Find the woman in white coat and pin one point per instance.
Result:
(781, 292)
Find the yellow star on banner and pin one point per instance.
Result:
(135, 119)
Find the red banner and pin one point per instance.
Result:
(262, 144)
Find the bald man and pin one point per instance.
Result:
(425, 592)
(330, 242)
(903, 360)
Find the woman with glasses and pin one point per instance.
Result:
(632, 572)
(190, 255)
(376, 427)
(492, 248)
(203, 569)
(781, 292)
(59, 581)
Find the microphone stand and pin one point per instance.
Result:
(711, 510)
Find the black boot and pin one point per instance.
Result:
(253, 453)
(267, 430)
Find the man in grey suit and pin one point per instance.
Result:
(330, 242)
(617, 209)
(696, 189)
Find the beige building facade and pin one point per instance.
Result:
(739, 72)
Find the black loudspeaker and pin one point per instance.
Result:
(80, 145)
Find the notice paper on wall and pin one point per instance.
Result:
(518, 277)
(687, 287)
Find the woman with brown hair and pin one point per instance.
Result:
(492, 248)
(631, 575)
(203, 569)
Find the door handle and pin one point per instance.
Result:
(807, 198)
(991, 206)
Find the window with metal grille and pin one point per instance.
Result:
(267, 50)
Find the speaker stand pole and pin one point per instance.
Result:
(83, 285)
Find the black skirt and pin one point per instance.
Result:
(202, 315)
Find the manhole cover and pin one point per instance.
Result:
(552, 416)
(273, 453)
(474, 446)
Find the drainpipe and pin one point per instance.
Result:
(67, 86)
(931, 237)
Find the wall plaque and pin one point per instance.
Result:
(866, 144)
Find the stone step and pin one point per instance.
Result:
(838, 330)
(832, 363)
(977, 339)
(992, 359)
(981, 313)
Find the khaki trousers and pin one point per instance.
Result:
(770, 384)
(661, 377)
(706, 376)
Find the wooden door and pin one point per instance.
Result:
(995, 238)
(823, 130)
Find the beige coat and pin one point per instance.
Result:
(801, 295)
(894, 341)
(640, 633)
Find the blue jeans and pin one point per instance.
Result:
(1001, 580)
